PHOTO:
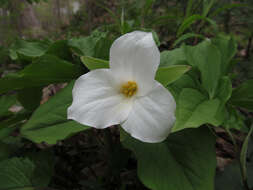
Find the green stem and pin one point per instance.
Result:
(243, 159)
(233, 140)
(243, 174)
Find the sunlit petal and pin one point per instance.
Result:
(97, 101)
(152, 116)
(135, 56)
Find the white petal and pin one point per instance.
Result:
(97, 102)
(135, 56)
(152, 116)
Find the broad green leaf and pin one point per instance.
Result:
(10, 124)
(235, 120)
(49, 122)
(192, 19)
(189, 53)
(172, 57)
(30, 49)
(30, 97)
(242, 96)
(228, 47)
(209, 62)
(185, 81)
(9, 146)
(44, 161)
(46, 70)
(185, 161)
(16, 173)
(102, 48)
(95, 45)
(194, 109)
(187, 36)
(5, 103)
(167, 75)
(13, 54)
(224, 91)
(4, 151)
(94, 63)
(60, 49)
(207, 58)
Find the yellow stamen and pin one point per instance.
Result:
(129, 88)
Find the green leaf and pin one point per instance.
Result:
(49, 122)
(83, 46)
(189, 8)
(187, 36)
(60, 49)
(179, 163)
(9, 125)
(30, 49)
(30, 97)
(4, 151)
(44, 161)
(95, 45)
(228, 47)
(194, 109)
(23, 173)
(192, 19)
(242, 96)
(173, 57)
(6, 102)
(46, 70)
(207, 5)
(185, 81)
(224, 91)
(16, 173)
(167, 75)
(207, 58)
(235, 120)
(9, 146)
(94, 63)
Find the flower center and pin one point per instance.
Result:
(129, 88)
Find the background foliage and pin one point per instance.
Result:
(206, 63)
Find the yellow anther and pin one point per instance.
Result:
(129, 88)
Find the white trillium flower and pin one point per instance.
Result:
(127, 93)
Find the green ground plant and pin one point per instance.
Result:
(200, 64)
